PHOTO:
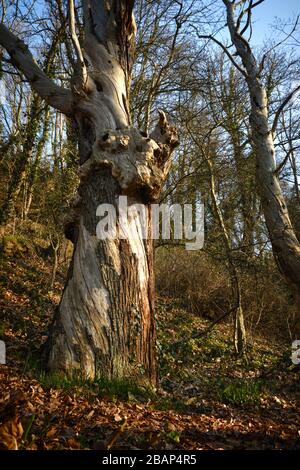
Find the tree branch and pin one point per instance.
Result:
(261, 66)
(281, 164)
(200, 334)
(56, 96)
(248, 11)
(240, 69)
(281, 107)
(81, 64)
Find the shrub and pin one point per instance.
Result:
(198, 282)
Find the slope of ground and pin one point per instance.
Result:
(208, 399)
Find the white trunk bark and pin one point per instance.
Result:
(105, 321)
(286, 247)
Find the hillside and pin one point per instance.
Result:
(208, 398)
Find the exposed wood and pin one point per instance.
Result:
(105, 321)
(58, 97)
(286, 247)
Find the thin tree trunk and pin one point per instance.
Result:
(245, 179)
(7, 211)
(292, 157)
(239, 325)
(35, 166)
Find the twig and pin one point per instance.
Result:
(200, 334)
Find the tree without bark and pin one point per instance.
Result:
(105, 321)
(286, 247)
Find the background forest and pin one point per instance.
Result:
(227, 314)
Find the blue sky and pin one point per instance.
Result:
(264, 15)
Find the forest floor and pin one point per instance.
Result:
(208, 399)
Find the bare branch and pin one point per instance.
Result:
(248, 21)
(257, 3)
(281, 164)
(239, 68)
(78, 51)
(247, 11)
(241, 44)
(261, 66)
(58, 97)
(282, 106)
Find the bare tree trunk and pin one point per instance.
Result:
(288, 132)
(239, 325)
(286, 247)
(104, 324)
(246, 182)
(33, 171)
(7, 211)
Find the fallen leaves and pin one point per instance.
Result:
(11, 433)
(81, 418)
(73, 444)
(11, 430)
(51, 432)
(59, 420)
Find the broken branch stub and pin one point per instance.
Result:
(139, 163)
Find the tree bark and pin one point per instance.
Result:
(7, 211)
(105, 324)
(243, 164)
(105, 321)
(33, 170)
(55, 249)
(239, 335)
(286, 247)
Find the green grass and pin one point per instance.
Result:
(167, 403)
(174, 436)
(190, 351)
(59, 381)
(239, 391)
(124, 389)
(116, 389)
